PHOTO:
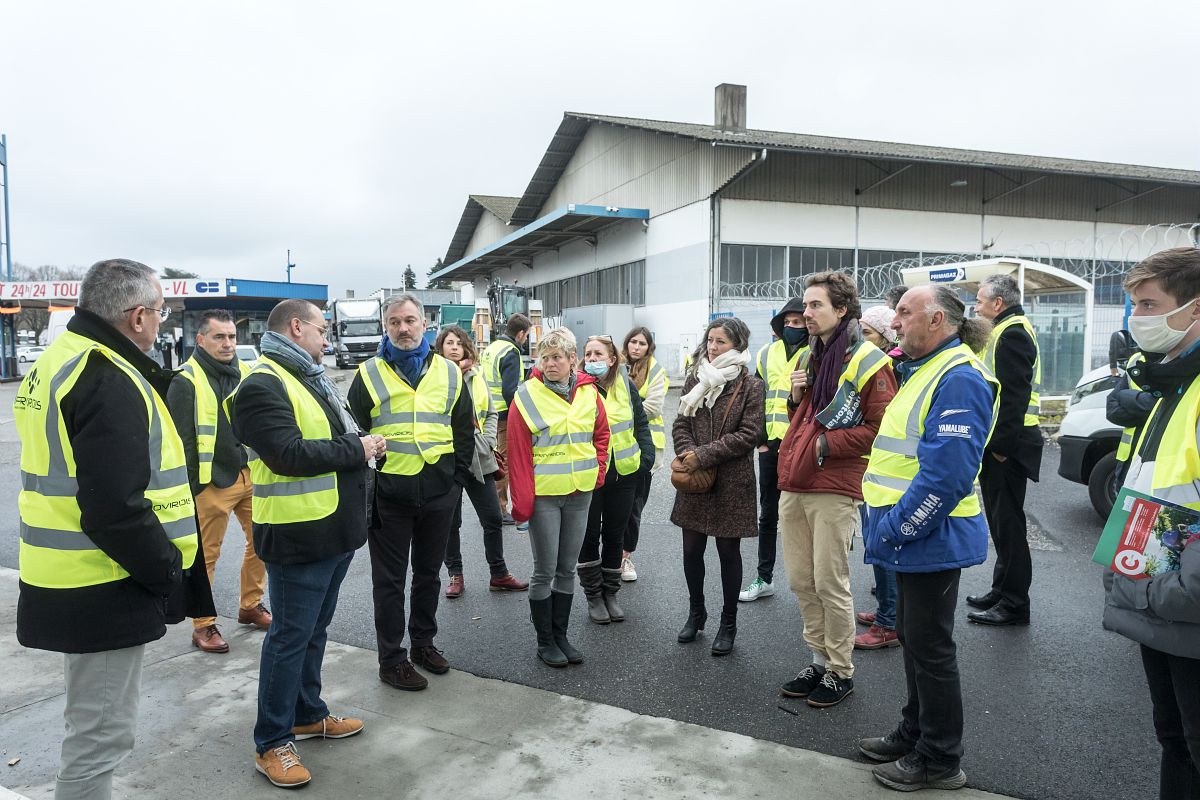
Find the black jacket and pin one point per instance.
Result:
(263, 419)
(229, 457)
(438, 478)
(1012, 438)
(641, 431)
(105, 418)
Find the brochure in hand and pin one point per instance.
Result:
(1144, 536)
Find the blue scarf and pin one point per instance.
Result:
(408, 362)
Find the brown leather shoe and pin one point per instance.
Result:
(456, 587)
(282, 767)
(403, 676)
(209, 640)
(258, 616)
(430, 659)
(507, 583)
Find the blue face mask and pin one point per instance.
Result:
(597, 369)
(795, 336)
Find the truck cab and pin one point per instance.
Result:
(355, 329)
(1088, 441)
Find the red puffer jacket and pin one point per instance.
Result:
(842, 459)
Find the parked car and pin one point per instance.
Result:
(28, 354)
(247, 352)
(1088, 441)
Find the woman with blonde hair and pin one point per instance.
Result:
(557, 455)
(630, 452)
(651, 381)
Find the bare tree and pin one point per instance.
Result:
(173, 272)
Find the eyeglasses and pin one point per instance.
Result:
(604, 337)
(324, 329)
(163, 312)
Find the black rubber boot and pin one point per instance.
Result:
(697, 616)
(541, 612)
(593, 590)
(723, 644)
(562, 616)
(611, 581)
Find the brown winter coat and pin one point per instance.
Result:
(730, 509)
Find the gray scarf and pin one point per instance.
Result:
(287, 352)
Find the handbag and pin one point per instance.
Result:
(701, 480)
(501, 466)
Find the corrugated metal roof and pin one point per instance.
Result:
(574, 125)
(499, 205)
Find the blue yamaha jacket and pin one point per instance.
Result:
(918, 534)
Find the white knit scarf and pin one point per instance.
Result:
(712, 377)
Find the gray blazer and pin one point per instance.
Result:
(484, 463)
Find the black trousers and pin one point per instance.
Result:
(608, 516)
(421, 530)
(1174, 683)
(486, 503)
(933, 715)
(1003, 487)
(634, 529)
(768, 511)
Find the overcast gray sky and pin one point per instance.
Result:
(214, 136)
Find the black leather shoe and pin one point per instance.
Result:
(913, 772)
(691, 629)
(983, 601)
(997, 615)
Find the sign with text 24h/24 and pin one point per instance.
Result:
(1145, 536)
(173, 289)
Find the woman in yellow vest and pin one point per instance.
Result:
(651, 381)
(455, 346)
(631, 452)
(557, 454)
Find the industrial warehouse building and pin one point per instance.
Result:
(684, 221)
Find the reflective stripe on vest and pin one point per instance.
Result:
(1127, 435)
(490, 363)
(284, 499)
(989, 361)
(207, 409)
(415, 422)
(776, 369)
(623, 451)
(1176, 477)
(844, 410)
(658, 430)
(893, 463)
(564, 456)
(54, 551)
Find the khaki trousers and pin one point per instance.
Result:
(213, 507)
(816, 531)
(502, 447)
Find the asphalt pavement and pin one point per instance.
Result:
(1058, 709)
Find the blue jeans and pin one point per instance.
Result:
(303, 599)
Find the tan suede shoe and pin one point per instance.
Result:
(332, 727)
(282, 767)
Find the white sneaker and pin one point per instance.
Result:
(628, 573)
(757, 588)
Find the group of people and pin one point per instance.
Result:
(883, 421)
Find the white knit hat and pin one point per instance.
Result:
(879, 319)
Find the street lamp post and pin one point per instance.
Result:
(290, 266)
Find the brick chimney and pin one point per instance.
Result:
(730, 108)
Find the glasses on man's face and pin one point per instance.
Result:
(324, 329)
(163, 312)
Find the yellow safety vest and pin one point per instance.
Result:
(846, 404)
(479, 398)
(564, 456)
(658, 431)
(893, 464)
(207, 408)
(1176, 467)
(1125, 448)
(989, 361)
(490, 363)
(623, 451)
(55, 553)
(284, 499)
(776, 369)
(415, 422)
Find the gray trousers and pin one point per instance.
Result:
(556, 532)
(101, 713)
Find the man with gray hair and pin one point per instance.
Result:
(1014, 454)
(926, 524)
(414, 399)
(107, 519)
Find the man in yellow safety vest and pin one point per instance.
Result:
(503, 373)
(107, 520)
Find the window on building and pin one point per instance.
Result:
(804, 261)
(624, 284)
(753, 263)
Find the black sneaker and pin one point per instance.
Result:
(430, 658)
(832, 690)
(403, 676)
(913, 772)
(803, 684)
(886, 748)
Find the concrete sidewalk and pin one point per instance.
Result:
(463, 736)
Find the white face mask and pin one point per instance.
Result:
(1154, 335)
